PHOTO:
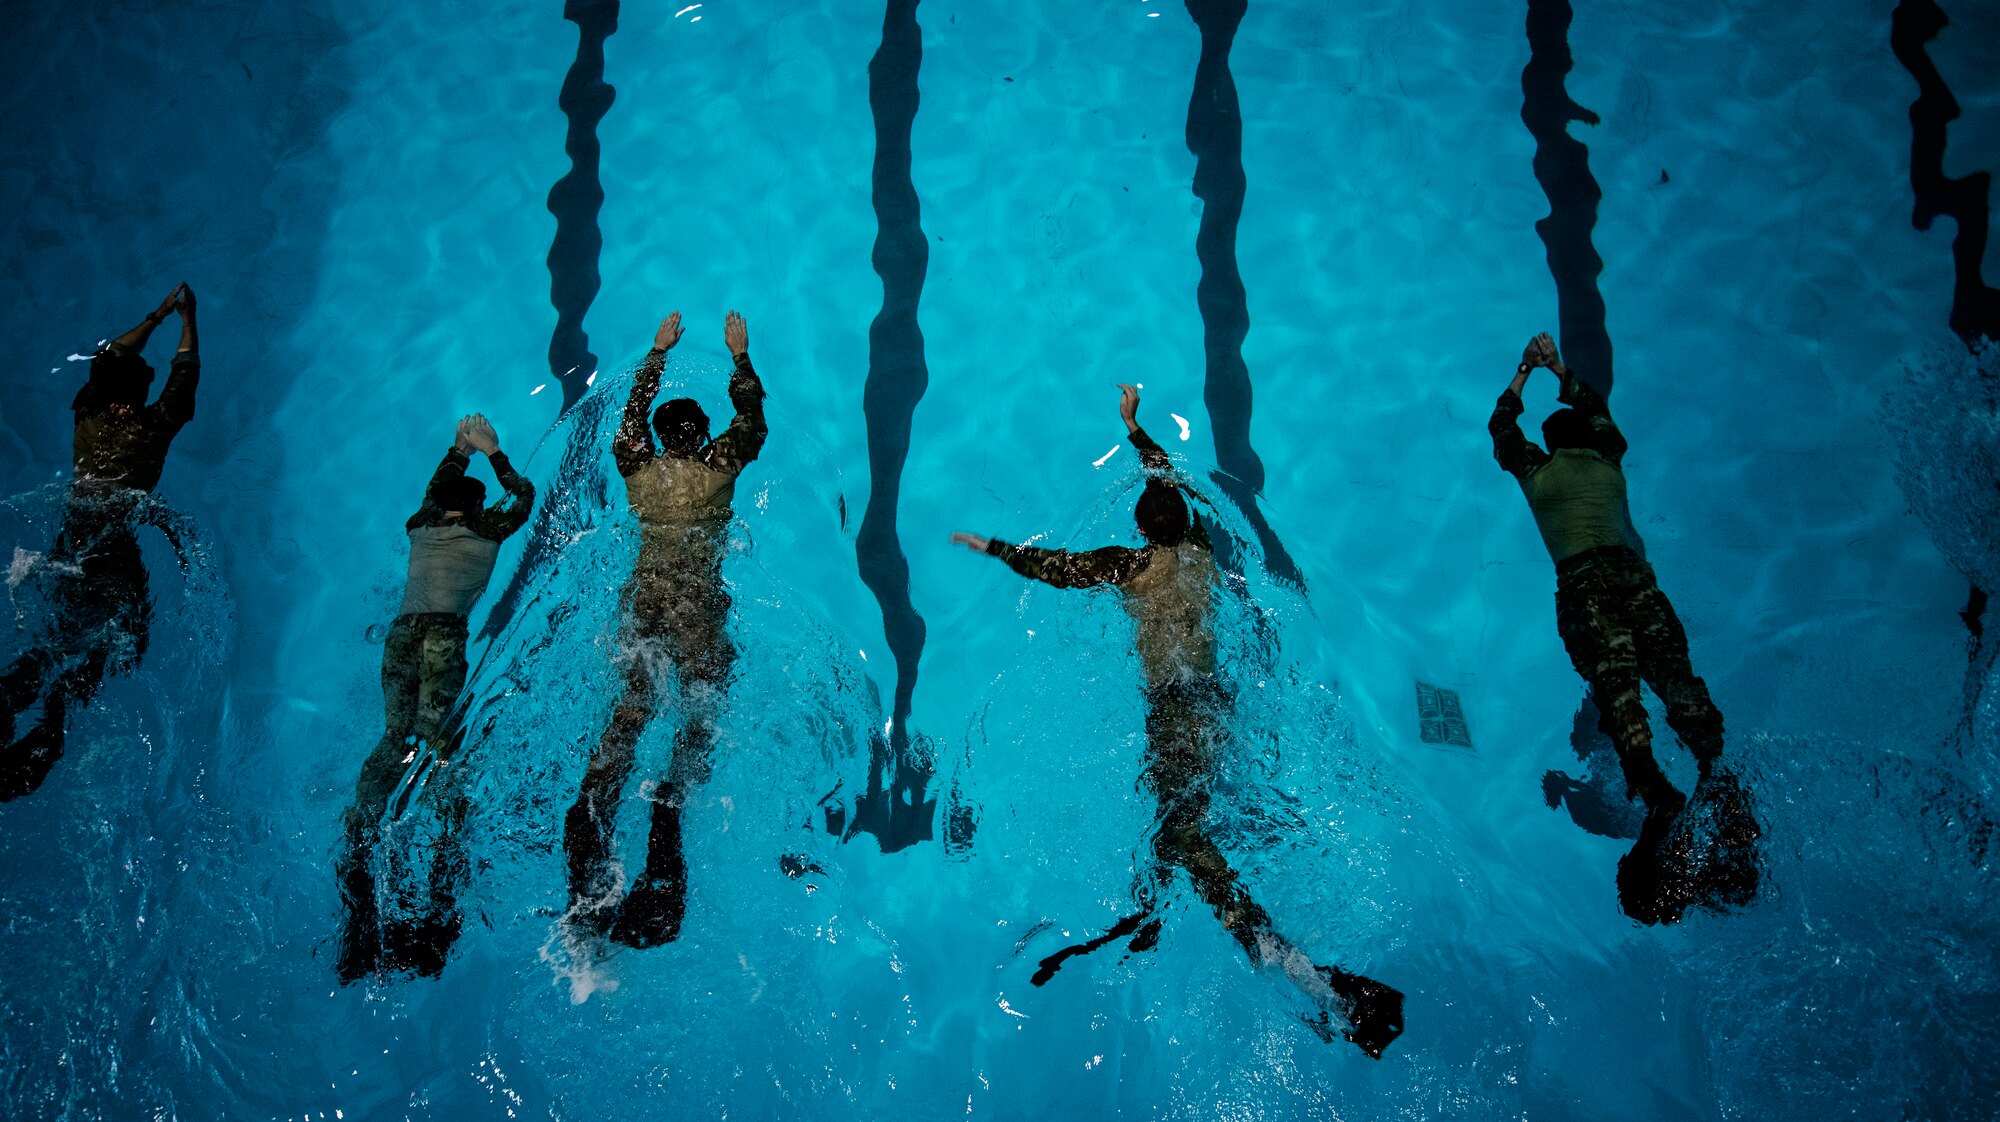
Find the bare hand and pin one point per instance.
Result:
(1128, 405)
(736, 333)
(668, 334)
(973, 542)
(1541, 351)
(184, 301)
(166, 305)
(458, 439)
(479, 433)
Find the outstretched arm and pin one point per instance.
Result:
(744, 438)
(135, 339)
(511, 512)
(633, 445)
(1114, 564)
(1516, 454)
(184, 376)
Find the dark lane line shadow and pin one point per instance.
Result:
(1562, 167)
(577, 198)
(574, 281)
(1215, 137)
(897, 379)
(1975, 305)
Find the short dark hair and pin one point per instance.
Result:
(1567, 428)
(1163, 514)
(121, 376)
(681, 424)
(464, 494)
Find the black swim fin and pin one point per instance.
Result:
(359, 944)
(652, 913)
(654, 908)
(28, 761)
(1730, 873)
(1374, 1010)
(420, 945)
(1653, 882)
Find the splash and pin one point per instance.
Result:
(1946, 418)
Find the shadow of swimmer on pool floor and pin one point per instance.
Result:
(1168, 586)
(454, 541)
(1620, 630)
(676, 627)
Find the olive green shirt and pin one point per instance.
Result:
(1577, 495)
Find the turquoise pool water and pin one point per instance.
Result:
(360, 195)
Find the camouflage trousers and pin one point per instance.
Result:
(1186, 727)
(423, 672)
(1620, 630)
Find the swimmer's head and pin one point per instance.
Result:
(464, 494)
(122, 377)
(1567, 428)
(682, 426)
(1162, 514)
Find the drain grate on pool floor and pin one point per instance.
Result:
(1440, 718)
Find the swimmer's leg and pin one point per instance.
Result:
(358, 950)
(1663, 660)
(591, 821)
(653, 909)
(360, 941)
(1185, 722)
(657, 902)
(421, 941)
(27, 762)
(441, 671)
(1373, 1010)
(1724, 867)
(20, 685)
(1591, 615)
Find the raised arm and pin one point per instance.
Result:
(510, 513)
(176, 401)
(1114, 564)
(134, 340)
(739, 444)
(1516, 454)
(1151, 455)
(633, 445)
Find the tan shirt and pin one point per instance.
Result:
(449, 568)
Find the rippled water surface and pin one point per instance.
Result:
(359, 192)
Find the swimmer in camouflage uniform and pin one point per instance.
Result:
(454, 540)
(1168, 587)
(98, 590)
(677, 619)
(1619, 630)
